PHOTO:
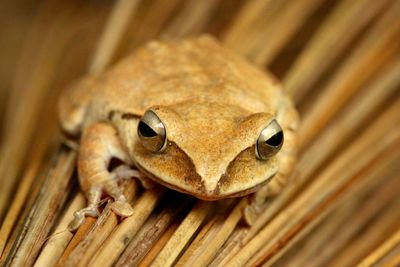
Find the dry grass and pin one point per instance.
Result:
(339, 59)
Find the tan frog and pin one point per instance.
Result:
(191, 115)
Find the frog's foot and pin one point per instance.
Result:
(258, 199)
(123, 172)
(256, 203)
(109, 186)
(253, 209)
(126, 172)
(80, 215)
(120, 205)
(122, 208)
(91, 210)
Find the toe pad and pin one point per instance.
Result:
(123, 209)
(76, 222)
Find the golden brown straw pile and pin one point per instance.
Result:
(339, 59)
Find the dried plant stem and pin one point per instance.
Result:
(192, 18)
(337, 191)
(22, 193)
(60, 238)
(307, 222)
(216, 236)
(123, 234)
(384, 225)
(359, 111)
(324, 186)
(374, 257)
(327, 229)
(333, 136)
(27, 215)
(362, 212)
(230, 248)
(375, 49)
(393, 262)
(342, 201)
(50, 200)
(291, 17)
(114, 29)
(148, 259)
(100, 237)
(150, 234)
(22, 127)
(193, 250)
(357, 222)
(77, 238)
(345, 21)
(249, 13)
(153, 22)
(93, 239)
(245, 27)
(190, 225)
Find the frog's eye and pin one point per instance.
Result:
(270, 141)
(151, 132)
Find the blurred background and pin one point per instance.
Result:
(339, 59)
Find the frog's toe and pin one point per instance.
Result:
(253, 209)
(250, 215)
(93, 212)
(126, 172)
(79, 218)
(121, 208)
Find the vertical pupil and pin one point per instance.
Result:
(275, 140)
(145, 130)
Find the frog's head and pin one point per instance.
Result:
(208, 150)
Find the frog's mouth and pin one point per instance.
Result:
(202, 194)
(175, 170)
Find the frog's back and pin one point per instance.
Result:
(165, 73)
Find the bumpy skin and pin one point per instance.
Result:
(213, 104)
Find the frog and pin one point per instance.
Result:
(187, 114)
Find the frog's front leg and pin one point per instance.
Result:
(99, 144)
